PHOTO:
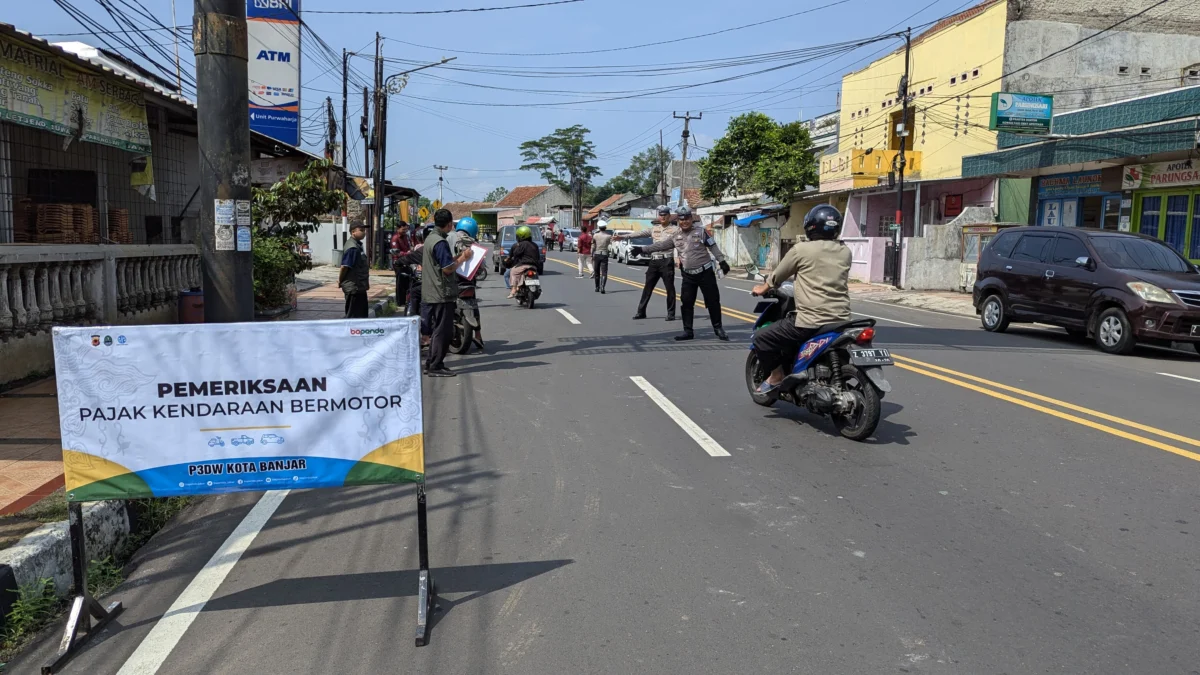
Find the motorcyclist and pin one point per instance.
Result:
(821, 266)
(523, 255)
(467, 234)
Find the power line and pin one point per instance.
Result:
(440, 11)
(628, 47)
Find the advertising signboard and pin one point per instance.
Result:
(273, 71)
(1160, 175)
(46, 91)
(160, 411)
(1022, 113)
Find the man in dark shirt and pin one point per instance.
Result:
(439, 291)
(523, 255)
(355, 274)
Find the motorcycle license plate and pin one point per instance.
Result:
(871, 357)
(532, 282)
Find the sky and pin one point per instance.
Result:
(633, 66)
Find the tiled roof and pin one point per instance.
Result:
(694, 200)
(521, 194)
(464, 209)
(595, 211)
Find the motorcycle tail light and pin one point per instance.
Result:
(865, 336)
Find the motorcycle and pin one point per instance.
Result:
(466, 320)
(530, 290)
(837, 373)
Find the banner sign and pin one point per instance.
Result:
(160, 411)
(1022, 113)
(1081, 184)
(47, 91)
(1160, 175)
(273, 71)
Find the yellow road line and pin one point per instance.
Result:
(1056, 413)
(910, 364)
(1064, 404)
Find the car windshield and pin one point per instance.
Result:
(641, 241)
(1133, 253)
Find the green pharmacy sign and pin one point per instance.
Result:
(1022, 113)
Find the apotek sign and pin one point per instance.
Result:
(1022, 113)
(273, 35)
(1160, 175)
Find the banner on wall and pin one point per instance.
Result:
(1160, 175)
(273, 71)
(160, 411)
(44, 90)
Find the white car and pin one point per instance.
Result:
(617, 248)
(642, 238)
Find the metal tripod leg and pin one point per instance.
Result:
(426, 591)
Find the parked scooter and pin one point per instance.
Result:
(468, 326)
(530, 289)
(837, 373)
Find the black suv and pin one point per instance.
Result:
(1119, 288)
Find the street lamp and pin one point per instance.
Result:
(390, 87)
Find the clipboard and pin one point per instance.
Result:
(470, 268)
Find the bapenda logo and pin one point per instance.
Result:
(367, 331)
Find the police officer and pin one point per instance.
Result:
(695, 250)
(600, 244)
(354, 277)
(661, 266)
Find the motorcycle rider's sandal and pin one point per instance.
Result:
(766, 387)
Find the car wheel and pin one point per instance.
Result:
(1114, 335)
(993, 315)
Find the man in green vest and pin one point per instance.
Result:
(439, 291)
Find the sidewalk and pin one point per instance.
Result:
(30, 448)
(948, 302)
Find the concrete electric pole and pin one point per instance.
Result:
(223, 130)
(440, 169)
(902, 133)
(687, 117)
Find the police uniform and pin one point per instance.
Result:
(600, 243)
(692, 249)
(661, 266)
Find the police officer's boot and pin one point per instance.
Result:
(671, 316)
(721, 335)
(639, 315)
(688, 334)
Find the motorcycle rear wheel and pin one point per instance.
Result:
(867, 412)
(460, 341)
(755, 377)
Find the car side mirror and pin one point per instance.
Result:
(1086, 263)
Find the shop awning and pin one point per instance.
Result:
(750, 219)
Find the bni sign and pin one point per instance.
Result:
(1021, 113)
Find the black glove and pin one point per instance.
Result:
(635, 250)
(724, 267)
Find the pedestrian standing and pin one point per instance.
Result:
(600, 244)
(439, 291)
(354, 277)
(661, 265)
(584, 251)
(695, 250)
(401, 245)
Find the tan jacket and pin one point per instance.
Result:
(822, 271)
(692, 248)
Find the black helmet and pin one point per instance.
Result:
(823, 222)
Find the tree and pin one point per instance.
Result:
(642, 175)
(563, 159)
(757, 154)
(284, 214)
(496, 194)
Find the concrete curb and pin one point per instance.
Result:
(45, 553)
(377, 308)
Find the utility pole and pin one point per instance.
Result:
(175, 34)
(662, 168)
(223, 131)
(331, 132)
(440, 169)
(345, 107)
(374, 223)
(902, 133)
(687, 117)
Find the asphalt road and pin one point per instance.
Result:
(1028, 505)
